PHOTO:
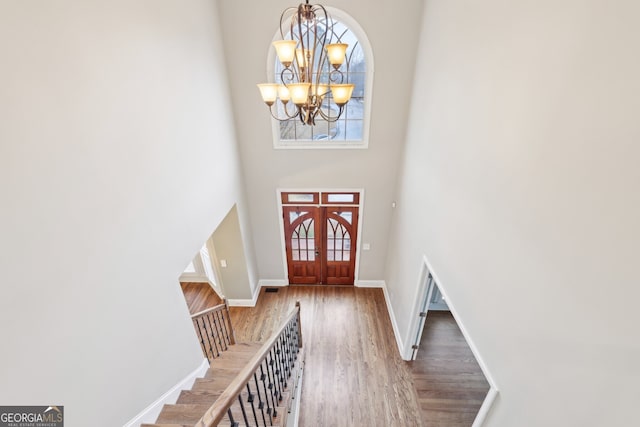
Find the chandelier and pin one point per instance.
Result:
(312, 75)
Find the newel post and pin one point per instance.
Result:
(232, 335)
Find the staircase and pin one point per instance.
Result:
(247, 384)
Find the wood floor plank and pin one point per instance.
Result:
(447, 378)
(199, 296)
(354, 375)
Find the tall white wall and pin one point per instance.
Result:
(117, 161)
(520, 185)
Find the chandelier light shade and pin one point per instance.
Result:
(314, 79)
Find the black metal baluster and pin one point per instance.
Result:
(231, 420)
(274, 383)
(260, 401)
(250, 399)
(217, 332)
(294, 339)
(213, 335)
(279, 366)
(221, 342)
(216, 324)
(272, 392)
(244, 413)
(201, 338)
(225, 328)
(289, 351)
(210, 352)
(221, 328)
(295, 335)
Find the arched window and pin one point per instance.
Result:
(351, 130)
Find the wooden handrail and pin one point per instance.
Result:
(209, 310)
(218, 410)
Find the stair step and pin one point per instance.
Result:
(251, 347)
(240, 350)
(213, 384)
(223, 371)
(198, 397)
(182, 414)
(193, 404)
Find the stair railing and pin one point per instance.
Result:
(214, 330)
(253, 396)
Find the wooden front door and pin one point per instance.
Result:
(320, 243)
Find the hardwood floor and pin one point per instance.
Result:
(199, 296)
(450, 384)
(354, 375)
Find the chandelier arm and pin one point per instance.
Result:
(333, 76)
(331, 119)
(298, 22)
(289, 70)
(288, 116)
(322, 58)
(284, 12)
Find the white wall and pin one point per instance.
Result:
(520, 185)
(117, 161)
(227, 239)
(374, 169)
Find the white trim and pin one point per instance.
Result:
(392, 316)
(246, 302)
(369, 284)
(283, 248)
(493, 388)
(422, 291)
(193, 277)
(486, 407)
(358, 241)
(272, 282)
(151, 412)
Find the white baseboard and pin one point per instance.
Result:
(370, 284)
(486, 406)
(151, 412)
(193, 278)
(246, 302)
(273, 282)
(392, 316)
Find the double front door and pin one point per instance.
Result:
(320, 243)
